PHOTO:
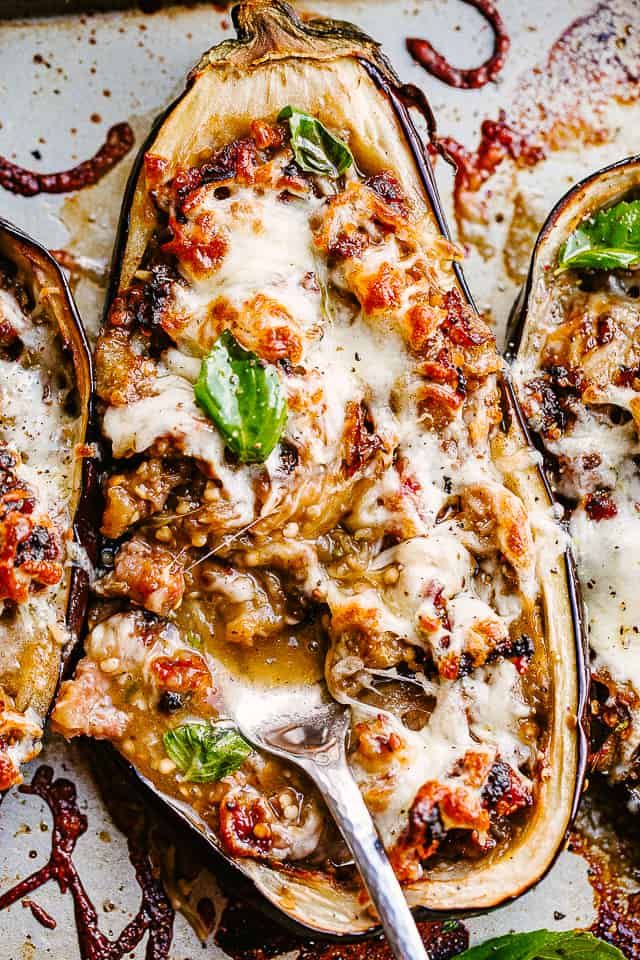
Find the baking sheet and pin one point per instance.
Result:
(65, 80)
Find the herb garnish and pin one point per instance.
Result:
(243, 396)
(544, 945)
(608, 240)
(315, 149)
(204, 752)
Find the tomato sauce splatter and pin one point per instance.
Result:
(498, 140)
(40, 914)
(29, 183)
(155, 914)
(438, 65)
(561, 102)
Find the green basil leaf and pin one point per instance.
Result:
(315, 149)
(544, 945)
(609, 240)
(203, 752)
(244, 398)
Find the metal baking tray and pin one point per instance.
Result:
(66, 79)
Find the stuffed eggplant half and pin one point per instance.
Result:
(577, 343)
(45, 374)
(318, 470)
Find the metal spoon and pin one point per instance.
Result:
(305, 727)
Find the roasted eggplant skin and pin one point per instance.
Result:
(616, 182)
(37, 269)
(269, 33)
(599, 189)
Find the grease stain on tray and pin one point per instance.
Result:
(576, 109)
(607, 835)
(243, 936)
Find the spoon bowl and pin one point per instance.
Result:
(304, 726)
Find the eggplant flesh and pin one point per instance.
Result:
(574, 348)
(403, 462)
(46, 388)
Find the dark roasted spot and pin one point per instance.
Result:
(38, 546)
(605, 331)
(169, 702)
(289, 457)
(498, 782)
(465, 664)
(521, 647)
(285, 364)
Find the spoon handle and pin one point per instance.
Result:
(349, 810)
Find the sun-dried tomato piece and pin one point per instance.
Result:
(245, 824)
(463, 326)
(360, 443)
(9, 773)
(386, 186)
(183, 674)
(267, 135)
(600, 506)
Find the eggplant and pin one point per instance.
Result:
(572, 342)
(321, 89)
(46, 471)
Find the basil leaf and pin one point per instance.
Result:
(544, 945)
(243, 396)
(315, 149)
(609, 240)
(203, 752)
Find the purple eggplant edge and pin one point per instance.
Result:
(84, 520)
(520, 309)
(400, 97)
(517, 323)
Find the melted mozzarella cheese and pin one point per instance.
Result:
(609, 564)
(593, 440)
(37, 428)
(344, 366)
(172, 412)
(33, 421)
(117, 645)
(496, 710)
(481, 714)
(12, 313)
(593, 454)
(440, 557)
(24, 735)
(428, 754)
(466, 613)
(347, 357)
(269, 251)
